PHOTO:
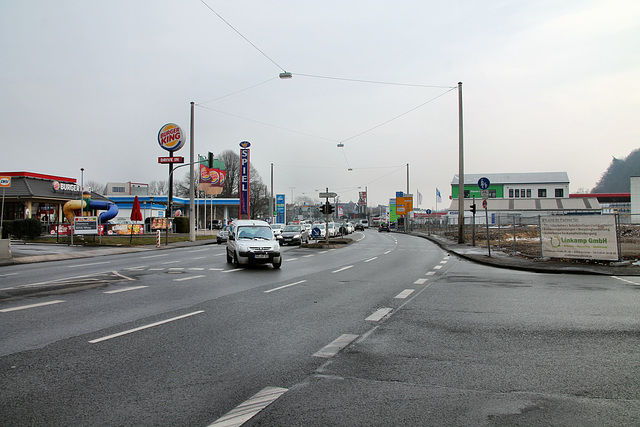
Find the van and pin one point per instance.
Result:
(365, 223)
(252, 242)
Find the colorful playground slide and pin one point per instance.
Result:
(71, 206)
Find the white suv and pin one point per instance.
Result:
(252, 242)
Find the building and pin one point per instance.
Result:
(519, 195)
(635, 199)
(36, 195)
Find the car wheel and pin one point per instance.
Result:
(235, 259)
(278, 264)
(229, 259)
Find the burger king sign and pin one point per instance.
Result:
(171, 137)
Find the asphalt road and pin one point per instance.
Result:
(389, 330)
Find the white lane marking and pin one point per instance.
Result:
(216, 269)
(388, 252)
(405, 293)
(626, 280)
(335, 346)
(218, 254)
(231, 271)
(420, 281)
(182, 279)
(198, 250)
(137, 268)
(25, 307)
(307, 256)
(156, 269)
(123, 276)
(291, 259)
(437, 267)
(151, 325)
(154, 256)
(89, 263)
(370, 259)
(171, 262)
(323, 252)
(431, 273)
(176, 268)
(132, 288)
(197, 268)
(200, 257)
(8, 274)
(342, 269)
(249, 408)
(285, 286)
(379, 314)
(443, 262)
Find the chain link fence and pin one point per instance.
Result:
(520, 235)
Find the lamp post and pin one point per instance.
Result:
(81, 192)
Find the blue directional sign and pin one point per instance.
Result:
(428, 211)
(484, 183)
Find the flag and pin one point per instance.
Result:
(438, 196)
(419, 197)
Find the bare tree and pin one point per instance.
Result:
(159, 187)
(95, 186)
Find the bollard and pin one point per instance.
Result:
(157, 238)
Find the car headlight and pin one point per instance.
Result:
(297, 236)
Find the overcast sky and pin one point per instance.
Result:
(547, 86)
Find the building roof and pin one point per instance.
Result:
(584, 204)
(516, 178)
(41, 187)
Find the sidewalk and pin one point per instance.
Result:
(517, 262)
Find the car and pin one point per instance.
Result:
(383, 227)
(252, 242)
(223, 234)
(294, 234)
(277, 229)
(333, 229)
(359, 226)
(365, 223)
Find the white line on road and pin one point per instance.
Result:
(405, 293)
(198, 250)
(308, 256)
(8, 274)
(291, 259)
(420, 281)
(336, 345)
(342, 269)
(216, 269)
(137, 268)
(371, 259)
(443, 262)
(182, 279)
(89, 263)
(285, 286)
(625, 280)
(437, 267)
(171, 262)
(156, 269)
(200, 257)
(379, 314)
(248, 409)
(132, 288)
(231, 271)
(130, 331)
(388, 252)
(123, 276)
(176, 268)
(431, 273)
(24, 307)
(196, 268)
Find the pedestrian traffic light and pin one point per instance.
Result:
(473, 208)
(323, 209)
(331, 209)
(210, 160)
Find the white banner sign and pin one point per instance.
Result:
(581, 237)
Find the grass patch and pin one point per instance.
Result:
(120, 240)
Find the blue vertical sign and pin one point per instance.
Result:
(280, 205)
(244, 178)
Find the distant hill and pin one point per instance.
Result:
(616, 177)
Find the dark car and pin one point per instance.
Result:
(294, 234)
(383, 227)
(359, 227)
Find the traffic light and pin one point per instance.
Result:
(323, 209)
(473, 208)
(331, 209)
(210, 160)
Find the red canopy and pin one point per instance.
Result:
(136, 213)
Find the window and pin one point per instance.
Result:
(492, 194)
(467, 194)
(559, 192)
(529, 192)
(511, 193)
(542, 192)
(118, 189)
(517, 193)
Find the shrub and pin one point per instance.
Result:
(29, 228)
(181, 223)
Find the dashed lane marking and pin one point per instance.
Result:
(437, 267)
(335, 346)
(379, 314)
(182, 279)
(431, 273)
(283, 287)
(405, 293)
(342, 269)
(420, 281)
(25, 307)
(132, 288)
(370, 259)
(250, 408)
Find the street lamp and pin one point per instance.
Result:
(81, 192)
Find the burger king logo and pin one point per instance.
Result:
(171, 137)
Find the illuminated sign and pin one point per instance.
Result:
(244, 181)
(171, 137)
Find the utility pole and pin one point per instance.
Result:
(192, 222)
(460, 169)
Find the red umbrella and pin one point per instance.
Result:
(136, 214)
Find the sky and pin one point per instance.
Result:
(547, 86)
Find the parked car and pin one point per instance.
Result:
(294, 234)
(253, 242)
(383, 227)
(223, 234)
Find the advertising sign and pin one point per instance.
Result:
(244, 179)
(171, 137)
(161, 223)
(85, 225)
(280, 207)
(5, 181)
(164, 160)
(580, 237)
(393, 215)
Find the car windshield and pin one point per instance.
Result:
(276, 226)
(291, 228)
(255, 232)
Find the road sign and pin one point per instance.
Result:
(428, 211)
(484, 183)
(325, 195)
(485, 194)
(484, 204)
